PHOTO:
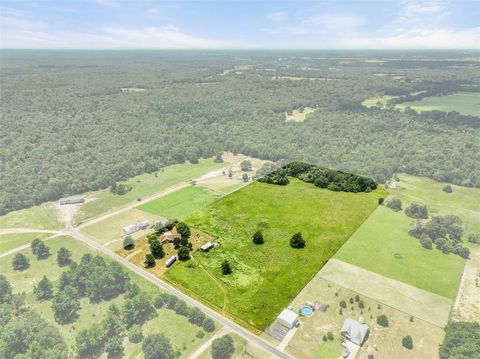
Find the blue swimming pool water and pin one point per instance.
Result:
(306, 310)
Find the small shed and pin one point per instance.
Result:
(355, 331)
(207, 246)
(288, 318)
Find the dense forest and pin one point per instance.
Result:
(73, 121)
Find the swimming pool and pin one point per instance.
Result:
(306, 310)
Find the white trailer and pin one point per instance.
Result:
(170, 261)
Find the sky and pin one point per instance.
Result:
(248, 24)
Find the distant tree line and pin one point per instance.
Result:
(94, 136)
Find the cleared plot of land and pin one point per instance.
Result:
(266, 277)
(467, 103)
(299, 115)
(181, 203)
(110, 228)
(14, 240)
(382, 342)
(381, 101)
(144, 185)
(133, 89)
(467, 305)
(42, 217)
(382, 245)
(421, 304)
(181, 333)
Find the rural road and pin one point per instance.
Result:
(75, 233)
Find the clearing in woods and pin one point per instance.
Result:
(325, 218)
(299, 115)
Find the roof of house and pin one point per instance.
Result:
(288, 316)
(355, 331)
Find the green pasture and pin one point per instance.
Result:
(382, 244)
(267, 277)
(467, 103)
(143, 186)
(181, 203)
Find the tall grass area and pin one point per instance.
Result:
(144, 185)
(267, 277)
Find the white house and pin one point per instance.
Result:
(355, 331)
(288, 318)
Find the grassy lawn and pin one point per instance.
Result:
(382, 245)
(144, 185)
(467, 103)
(43, 216)
(181, 203)
(381, 101)
(13, 240)
(181, 334)
(266, 278)
(382, 342)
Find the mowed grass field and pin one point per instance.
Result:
(467, 103)
(382, 244)
(43, 216)
(144, 185)
(181, 333)
(181, 203)
(14, 240)
(267, 277)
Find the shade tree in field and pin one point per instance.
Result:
(258, 237)
(407, 342)
(222, 348)
(382, 320)
(149, 260)
(447, 189)
(64, 256)
(44, 289)
(297, 241)
(226, 267)
(135, 334)
(183, 229)
(416, 210)
(156, 248)
(20, 262)
(394, 203)
(137, 310)
(40, 249)
(65, 305)
(157, 346)
(183, 253)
